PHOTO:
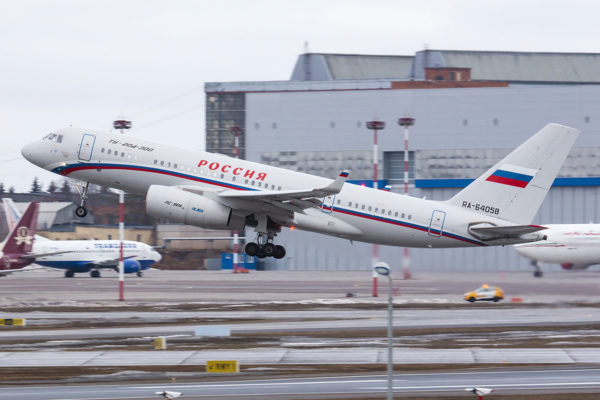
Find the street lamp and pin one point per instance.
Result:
(384, 269)
(375, 126)
(406, 122)
(121, 267)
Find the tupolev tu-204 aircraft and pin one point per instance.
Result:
(219, 192)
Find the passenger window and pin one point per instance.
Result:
(363, 207)
(108, 151)
(253, 182)
(122, 154)
(376, 209)
(279, 188)
(174, 165)
(222, 175)
(339, 201)
(169, 162)
(396, 214)
(402, 215)
(233, 178)
(102, 150)
(162, 163)
(409, 216)
(349, 204)
(370, 208)
(155, 161)
(382, 211)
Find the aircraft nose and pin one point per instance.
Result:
(157, 256)
(31, 152)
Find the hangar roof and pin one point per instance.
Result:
(326, 67)
(510, 66)
(506, 66)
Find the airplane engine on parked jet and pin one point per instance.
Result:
(131, 266)
(179, 205)
(571, 266)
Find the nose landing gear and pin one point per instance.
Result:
(81, 211)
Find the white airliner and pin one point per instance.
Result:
(86, 255)
(573, 246)
(219, 192)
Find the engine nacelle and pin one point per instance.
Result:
(571, 266)
(131, 266)
(191, 209)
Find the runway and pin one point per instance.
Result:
(281, 321)
(503, 382)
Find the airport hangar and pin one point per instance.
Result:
(470, 108)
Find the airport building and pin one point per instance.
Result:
(470, 109)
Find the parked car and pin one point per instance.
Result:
(485, 293)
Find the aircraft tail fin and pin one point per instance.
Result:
(20, 238)
(11, 213)
(515, 188)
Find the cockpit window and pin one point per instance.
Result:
(59, 138)
(50, 136)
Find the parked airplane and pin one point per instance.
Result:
(573, 246)
(17, 247)
(219, 192)
(87, 255)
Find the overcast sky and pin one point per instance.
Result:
(83, 63)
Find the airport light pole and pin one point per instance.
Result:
(406, 122)
(375, 126)
(236, 144)
(384, 269)
(121, 238)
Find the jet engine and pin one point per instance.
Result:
(131, 266)
(190, 208)
(572, 266)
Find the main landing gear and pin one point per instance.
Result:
(265, 248)
(537, 271)
(81, 211)
(266, 231)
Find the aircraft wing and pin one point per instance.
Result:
(291, 195)
(37, 255)
(110, 262)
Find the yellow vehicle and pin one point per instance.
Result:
(485, 293)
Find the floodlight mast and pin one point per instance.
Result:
(375, 126)
(406, 122)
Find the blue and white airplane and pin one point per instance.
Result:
(76, 256)
(219, 192)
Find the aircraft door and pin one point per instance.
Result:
(86, 147)
(436, 225)
(327, 204)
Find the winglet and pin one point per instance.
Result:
(336, 186)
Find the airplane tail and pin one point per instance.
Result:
(515, 188)
(11, 213)
(20, 238)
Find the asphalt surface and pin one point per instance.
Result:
(505, 381)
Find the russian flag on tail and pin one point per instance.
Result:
(344, 174)
(512, 175)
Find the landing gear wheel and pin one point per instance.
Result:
(251, 249)
(538, 274)
(471, 299)
(268, 249)
(95, 274)
(140, 274)
(279, 252)
(261, 253)
(69, 274)
(81, 211)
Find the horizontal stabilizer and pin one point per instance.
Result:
(488, 232)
